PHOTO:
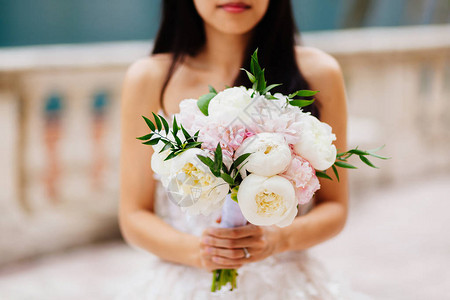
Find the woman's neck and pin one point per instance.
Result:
(223, 53)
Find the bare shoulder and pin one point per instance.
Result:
(149, 70)
(316, 64)
(323, 73)
(144, 79)
(314, 58)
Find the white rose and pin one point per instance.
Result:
(271, 154)
(192, 186)
(267, 200)
(315, 143)
(230, 104)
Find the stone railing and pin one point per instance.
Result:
(60, 126)
(398, 84)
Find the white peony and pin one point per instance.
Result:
(158, 163)
(271, 154)
(190, 116)
(230, 104)
(316, 143)
(192, 186)
(267, 200)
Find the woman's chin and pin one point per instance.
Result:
(233, 27)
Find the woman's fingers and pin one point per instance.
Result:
(211, 264)
(222, 248)
(226, 263)
(232, 243)
(236, 232)
(226, 253)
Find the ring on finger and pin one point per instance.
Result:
(247, 254)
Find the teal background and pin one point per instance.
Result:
(32, 22)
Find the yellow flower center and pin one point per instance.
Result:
(196, 175)
(269, 203)
(268, 149)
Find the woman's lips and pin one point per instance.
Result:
(236, 7)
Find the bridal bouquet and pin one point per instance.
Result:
(253, 154)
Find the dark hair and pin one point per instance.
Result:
(182, 33)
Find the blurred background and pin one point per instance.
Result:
(61, 69)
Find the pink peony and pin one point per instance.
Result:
(305, 194)
(273, 116)
(229, 137)
(303, 176)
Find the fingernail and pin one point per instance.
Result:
(205, 240)
(215, 259)
(209, 250)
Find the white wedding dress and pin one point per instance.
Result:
(289, 275)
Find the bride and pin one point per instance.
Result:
(203, 42)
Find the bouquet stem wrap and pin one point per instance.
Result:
(231, 217)
(231, 214)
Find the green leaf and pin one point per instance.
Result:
(174, 127)
(376, 149)
(301, 103)
(261, 82)
(250, 76)
(211, 89)
(166, 147)
(234, 197)
(254, 87)
(149, 124)
(206, 160)
(239, 170)
(215, 172)
(170, 156)
(228, 179)
(335, 172)
(185, 133)
(152, 142)
(256, 66)
(157, 121)
(271, 97)
(218, 157)
(224, 168)
(166, 125)
(239, 160)
(254, 62)
(270, 87)
(177, 139)
(145, 137)
(367, 161)
(357, 152)
(377, 156)
(322, 174)
(305, 93)
(203, 102)
(196, 134)
(193, 145)
(344, 165)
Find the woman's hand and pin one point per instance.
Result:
(222, 248)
